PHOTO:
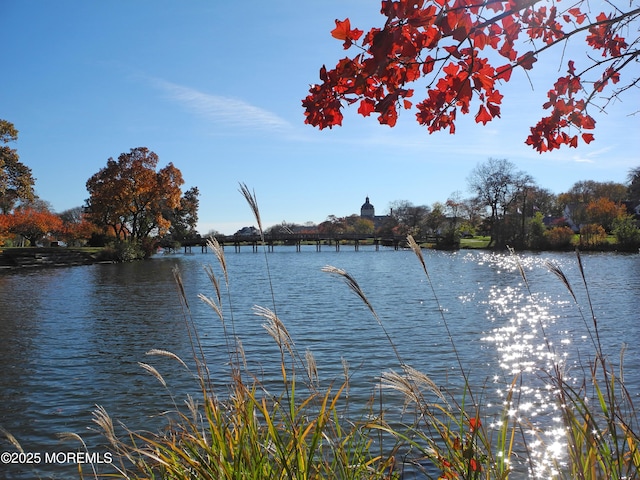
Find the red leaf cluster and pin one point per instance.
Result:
(443, 42)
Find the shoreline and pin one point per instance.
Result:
(26, 258)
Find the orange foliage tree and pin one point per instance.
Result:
(4, 228)
(131, 198)
(464, 49)
(32, 223)
(603, 212)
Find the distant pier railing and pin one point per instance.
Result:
(296, 239)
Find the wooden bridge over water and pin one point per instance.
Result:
(297, 239)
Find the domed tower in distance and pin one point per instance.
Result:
(367, 210)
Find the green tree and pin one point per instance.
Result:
(537, 230)
(626, 231)
(16, 180)
(184, 218)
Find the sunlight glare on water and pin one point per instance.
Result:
(532, 345)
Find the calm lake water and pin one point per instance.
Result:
(72, 337)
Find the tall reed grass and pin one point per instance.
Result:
(308, 430)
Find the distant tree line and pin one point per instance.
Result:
(511, 209)
(133, 207)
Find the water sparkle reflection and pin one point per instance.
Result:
(532, 346)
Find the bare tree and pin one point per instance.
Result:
(498, 185)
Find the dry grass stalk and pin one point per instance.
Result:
(312, 367)
(250, 197)
(12, 439)
(214, 306)
(152, 370)
(355, 287)
(563, 278)
(219, 253)
(104, 421)
(166, 353)
(412, 383)
(275, 327)
(214, 281)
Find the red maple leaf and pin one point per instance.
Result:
(344, 32)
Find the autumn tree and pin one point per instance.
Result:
(576, 199)
(34, 222)
(603, 212)
(131, 198)
(16, 180)
(353, 224)
(463, 50)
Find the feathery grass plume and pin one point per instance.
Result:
(589, 302)
(211, 303)
(152, 370)
(216, 305)
(347, 376)
(253, 204)
(192, 332)
(557, 271)
(218, 251)
(275, 327)
(412, 383)
(104, 421)
(11, 439)
(418, 252)
(512, 252)
(166, 353)
(312, 367)
(65, 436)
(250, 197)
(353, 285)
(208, 269)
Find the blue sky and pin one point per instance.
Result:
(215, 88)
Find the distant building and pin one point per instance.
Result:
(248, 231)
(368, 211)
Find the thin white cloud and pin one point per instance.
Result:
(225, 112)
(591, 157)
